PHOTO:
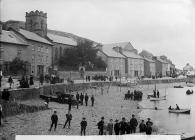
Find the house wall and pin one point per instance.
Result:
(39, 54)
(135, 65)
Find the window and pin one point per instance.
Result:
(39, 49)
(33, 48)
(33, 69)
(47, 50)
(33, 58)
(19, 53)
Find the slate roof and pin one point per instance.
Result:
(131, 55)
(11, 37)
(162, 61)
(109, 51)
(120, 44)
(149, 60)
(33, 36)
(62, 39)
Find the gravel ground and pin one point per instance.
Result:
(110, 105)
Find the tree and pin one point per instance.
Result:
(82, 55)
(18, 66)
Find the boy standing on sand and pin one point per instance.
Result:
(54, 121)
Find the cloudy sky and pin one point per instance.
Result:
(163, 27)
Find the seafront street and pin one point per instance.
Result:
(111, 105)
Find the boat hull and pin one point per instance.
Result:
(157, 99)
(184, 111)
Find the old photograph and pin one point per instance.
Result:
(97, 69)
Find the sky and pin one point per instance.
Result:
(162, 27)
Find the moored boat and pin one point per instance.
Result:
(188, 92)
(178, 86)
(157, 99)
(185, 111)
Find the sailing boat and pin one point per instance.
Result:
(152, 98)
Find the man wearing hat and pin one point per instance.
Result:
(83, 126)
(123, 126)
(133, 124)
(117, 127)
(149, 127)
(101, 126)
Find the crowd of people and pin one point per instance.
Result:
(118, 128)
(135, 95)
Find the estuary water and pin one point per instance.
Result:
(171, 123)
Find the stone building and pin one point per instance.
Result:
(39, 47)
(149, 64)
(12, 46)
(161, 67)
(187, 69)
(131, 64)
(114, 60)
(61, 43)
(149, 67)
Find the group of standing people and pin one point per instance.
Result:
(123, 127)
(81, 98)
(118, 128)
(25, 82)
(156, 94)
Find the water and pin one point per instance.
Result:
(170, 122)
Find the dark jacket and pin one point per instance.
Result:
(54, 118)
(117, 128)
(86, 97)
(69, 116)
(148, 129)
(123, 126)
(142, 127)
(84, 124)
(101, 125)
(133, 122)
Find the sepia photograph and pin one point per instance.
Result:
(97, 69)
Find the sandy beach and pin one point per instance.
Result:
(111, 105)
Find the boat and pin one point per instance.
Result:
(188, 136)
(188, 92)
(157, 99)
(178, 86)
(184, 111)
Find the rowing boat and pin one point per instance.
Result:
(158, 99)
(186, 111)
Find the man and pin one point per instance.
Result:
(92, 100)
(10, 81)
(86, 99)
(31, 80)
(0, 79)
(142, 127)
(83, 126)
(158, 94)
(177, 107)
(123, 125)
(77, 96)
(149, 122)
(69, 103)
(133, 124)
(110, 127)
(101, 126)
(41, 78)
(117, 127)
(154, 91)
(54, 121)
(68, 119)
(81, 98)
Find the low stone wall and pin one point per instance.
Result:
(159, 81)
(11, 108)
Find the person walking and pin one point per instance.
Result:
(101, 126)
(68, 119)
(86, 99)
(117, 127)
(81, 98)
(142, 127)
(54, 121)
(110, 127)
(69, 103)
(10, 81)
(133, 123)
(92, 100)
(83, 126)
(123, 125)
(77, 96)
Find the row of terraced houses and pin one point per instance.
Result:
(33, 42)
